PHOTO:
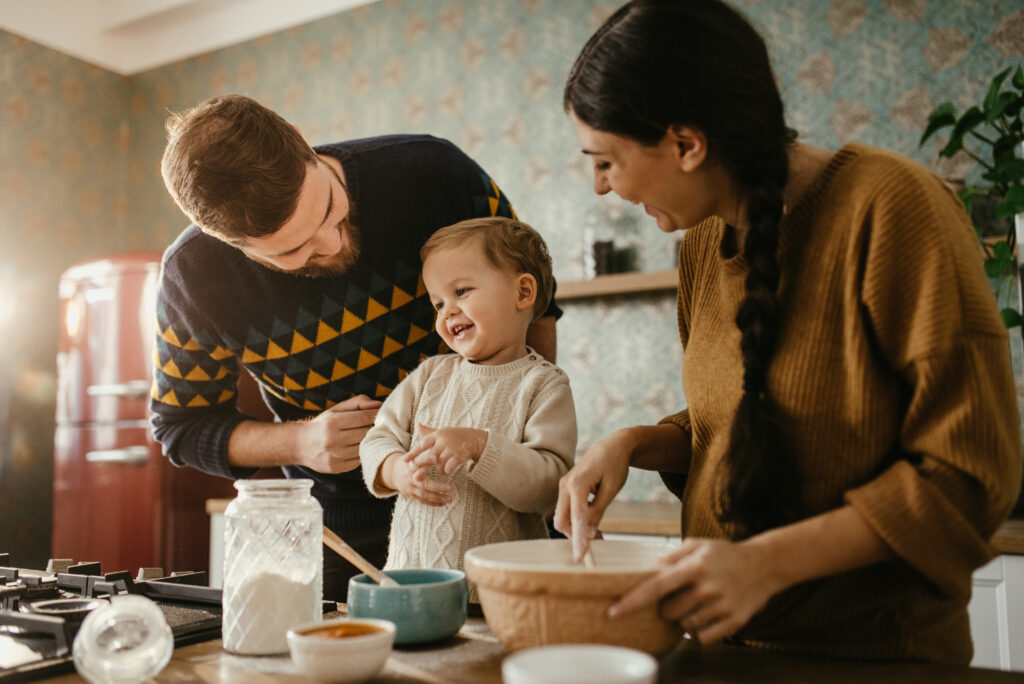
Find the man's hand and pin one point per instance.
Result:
(329, 443)
(413, 481)
(447, 448)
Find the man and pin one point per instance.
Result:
(302, 266)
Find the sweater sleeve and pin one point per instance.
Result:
(524, 475)
(929, 307)
(193, 399)
(392, 429)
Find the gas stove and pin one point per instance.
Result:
(41, 610)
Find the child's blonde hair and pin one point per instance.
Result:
(509, 244)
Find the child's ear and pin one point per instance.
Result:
(526, 291)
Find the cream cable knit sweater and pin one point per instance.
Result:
(527, 410)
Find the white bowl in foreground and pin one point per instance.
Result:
(342, 650)
(532, 594)
(573, 663)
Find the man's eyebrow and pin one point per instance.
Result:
(586, 151)
(330, 205)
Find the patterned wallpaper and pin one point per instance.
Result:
(80, 152)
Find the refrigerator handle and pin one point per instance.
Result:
(133, 389)
(133, 455)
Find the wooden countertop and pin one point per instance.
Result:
(663, 519)
(474, 656)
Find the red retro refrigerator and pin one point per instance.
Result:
(116, 498)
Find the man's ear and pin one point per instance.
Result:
(690, 146)
(526, 291)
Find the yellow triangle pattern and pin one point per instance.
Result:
(225, 395)
(366, 359)
(220, 353)
(290, 384)
(266, 378)
(350, 322)
(399, 297)
(221, 372)
(415, 333)
(300, 343)
(382, 391)
(390, 346)
(171, 369)
(310, 406)
(314, 379)
(198, 374)
(493, 201)
(171, 399)
(192, 345)
(341, 370)
(249, 356)
(198, 401)
(325, 332)
(374, 309)
(170, 338)
(275, 351)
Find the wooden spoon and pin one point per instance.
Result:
(339, 546)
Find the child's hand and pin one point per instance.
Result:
(447, 448)
(413, 481)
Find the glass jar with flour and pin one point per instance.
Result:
(273, 564)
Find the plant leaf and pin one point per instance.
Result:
(993, 91)
(1009, 172)
(1018, 78)
(941, 117)
(1012, 204)
(999, 106)
(971, 118)
(1002, 251)
(1011, 317)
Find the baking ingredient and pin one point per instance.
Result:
(259, 611)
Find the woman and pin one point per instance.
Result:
(852, 439)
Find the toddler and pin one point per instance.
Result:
(476, 441)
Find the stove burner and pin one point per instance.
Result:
(70, 609)
(42, 610)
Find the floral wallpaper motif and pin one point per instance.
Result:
(80, 151)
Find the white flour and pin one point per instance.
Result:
(259, 612)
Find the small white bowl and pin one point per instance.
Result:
(341, 658)
(572, 663)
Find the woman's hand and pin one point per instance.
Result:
(586, 490)
(447, 448)
(413, 481)
(711, 587)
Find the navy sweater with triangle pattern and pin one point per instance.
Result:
(311, 342)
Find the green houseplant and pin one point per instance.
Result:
(992, 134)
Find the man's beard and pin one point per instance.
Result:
(326, 267)
(339, 263)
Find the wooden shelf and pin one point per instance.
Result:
(618, 283)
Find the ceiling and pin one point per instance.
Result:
(129, 36)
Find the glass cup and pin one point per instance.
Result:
(125, 641)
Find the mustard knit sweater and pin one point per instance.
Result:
(893, 387)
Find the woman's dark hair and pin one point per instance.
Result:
(699, 63)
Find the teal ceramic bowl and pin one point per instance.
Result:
(429, 604)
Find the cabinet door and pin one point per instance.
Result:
(987, 611)
(997, 614)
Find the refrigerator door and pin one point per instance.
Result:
(108, 496)
(105, 339)
(117, 499)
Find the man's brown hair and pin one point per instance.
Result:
(509, 244)
(235, 167)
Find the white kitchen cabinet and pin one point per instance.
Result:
(997, 614)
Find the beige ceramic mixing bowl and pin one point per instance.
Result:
(532, 594)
